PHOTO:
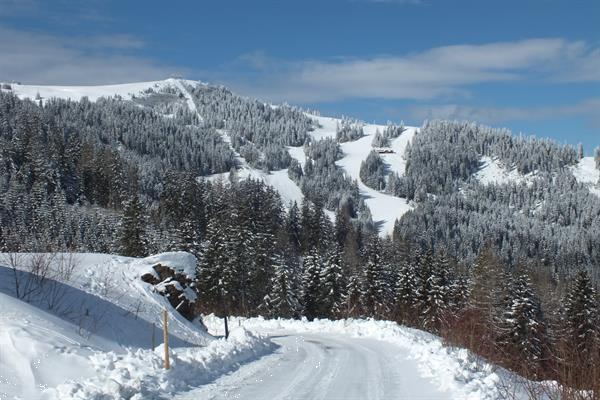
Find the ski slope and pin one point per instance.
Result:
(385, 208)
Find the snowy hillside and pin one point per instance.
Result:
(384, 208)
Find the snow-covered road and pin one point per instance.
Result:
(324, 366)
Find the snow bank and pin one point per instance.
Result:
(95, 343)
(139, 373)
(39, 350)
(451, 369)
(179, 261)
(104, 297)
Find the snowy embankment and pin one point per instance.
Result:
(87, 330)
(586, 173)
(385, 208)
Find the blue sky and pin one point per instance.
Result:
(530, 65)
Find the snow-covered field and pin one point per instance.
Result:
(493, 172)
(586, 172)
(93, 93)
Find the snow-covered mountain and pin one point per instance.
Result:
(385, 208)
(382, 184)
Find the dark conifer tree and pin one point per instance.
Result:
(133, 228)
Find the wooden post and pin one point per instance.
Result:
(226, 328)
(153, 336)
(166, 338)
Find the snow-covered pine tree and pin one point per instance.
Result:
(581, 319)
(333, 284)
(406, 293)
(306, 219)
(523, 327)
(487, 285)
(375, 296)
(393, 131)
(311, 289)
(353, 296)
(372, 171)
(379, 140)
(210, 268)
(282, 299)
(438, 287)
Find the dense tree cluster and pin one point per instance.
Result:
(323, 182)
(349, 130)
(379, 140)
(446, 154)
(258, 131)
(549, 217)
(373, 171)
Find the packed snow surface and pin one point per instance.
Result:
(354, 359)
(586, 172)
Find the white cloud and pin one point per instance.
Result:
(493, 115)
(435, 73)
(46, 59)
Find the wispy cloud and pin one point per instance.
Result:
(61, 11)
(12, 8)
(438, 72)
(47, 59)
(589, 108)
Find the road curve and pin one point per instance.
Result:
(324, 366)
